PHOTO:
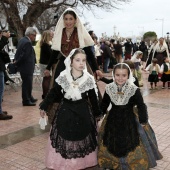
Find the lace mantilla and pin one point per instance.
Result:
(120, 98)
(74, 89)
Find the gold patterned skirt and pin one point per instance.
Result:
(142, 158)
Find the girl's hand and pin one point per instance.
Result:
(99, 73)
(42, 113)
(143, 125)
(46, 73)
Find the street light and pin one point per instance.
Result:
(162, 24)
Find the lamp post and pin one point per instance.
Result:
(168, 39)
(162, 24)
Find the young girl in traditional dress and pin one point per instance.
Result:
(72, 143)
(165, 69)
(136, 59)
(126, 140)
(153, 69)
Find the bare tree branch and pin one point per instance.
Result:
(23, 13)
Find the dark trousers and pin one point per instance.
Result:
(27, 81)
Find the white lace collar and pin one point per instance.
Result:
(74, 89)
(120, 98)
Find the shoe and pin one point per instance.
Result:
(3, 116)
(156, 88)
(151, 88)
(168, 87)
(5, 112)
(163, 87)
(29, 104)
(34, 100)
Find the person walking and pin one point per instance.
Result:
(3, 42)
(128, 49)
(153, 69)
(72, 144)
(165, 70)
(161, 51)
(118, 52)
(150, 53)
(25, 61)
(107, 55)
(45, 54)
(69, 33)
(126, 139)
(136, 59)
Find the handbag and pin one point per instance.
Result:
(5, 57)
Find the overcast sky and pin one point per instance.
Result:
(132, 19)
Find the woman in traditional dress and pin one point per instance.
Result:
(69, 33)
(150, 53)
(161, 51)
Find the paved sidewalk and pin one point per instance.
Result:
(22, 143)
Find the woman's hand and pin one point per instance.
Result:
(42, 113)
(46, 73)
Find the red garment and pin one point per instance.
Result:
(67, 46)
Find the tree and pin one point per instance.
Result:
(21, 14)
(149, 36)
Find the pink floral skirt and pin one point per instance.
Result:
(55, 161)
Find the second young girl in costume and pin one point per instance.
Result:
(136, 59)
(72, 144)
(165, 69)
(153, 69)
(126, 140)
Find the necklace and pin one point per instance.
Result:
(69, 34)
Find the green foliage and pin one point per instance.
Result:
(149, 36)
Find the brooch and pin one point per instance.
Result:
(75, 84)
(120, 93)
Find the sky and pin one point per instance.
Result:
(132, 19)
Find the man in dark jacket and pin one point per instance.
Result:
(107, 55)
(25, 62)
(3, 41)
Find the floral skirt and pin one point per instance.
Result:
(142, 158)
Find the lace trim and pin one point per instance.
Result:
(87, 85)
(74, 149)
(74, 89)
(62, 81)
(120, 98)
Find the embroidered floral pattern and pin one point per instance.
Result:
(62, 81)
(87, 85)
(120, 98)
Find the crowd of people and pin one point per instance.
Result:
(110, 52)
(70, 60)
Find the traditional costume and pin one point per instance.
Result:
(62, 46)
(72, 144)
(137, 70)
(123, 142)
(150, 54)
(165, 69)
(160, 52)
(153, 72)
